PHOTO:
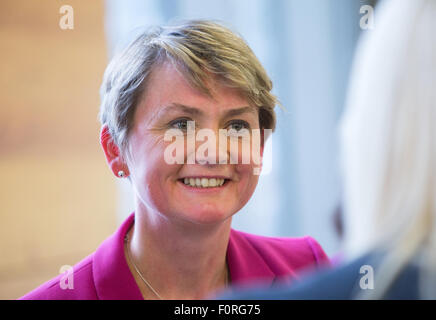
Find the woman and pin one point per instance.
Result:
(388, 138)
(178, 243)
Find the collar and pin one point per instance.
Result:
(112, 277)
(245, 262)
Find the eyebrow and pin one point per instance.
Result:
(197, 112)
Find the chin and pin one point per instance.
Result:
(205, 216)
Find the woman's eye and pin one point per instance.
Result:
(239, 125)
(181, 124)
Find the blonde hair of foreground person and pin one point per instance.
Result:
(388, 137)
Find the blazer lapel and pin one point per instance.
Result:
(112, 277)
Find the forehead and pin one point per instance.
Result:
(168, 86)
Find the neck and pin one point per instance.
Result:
(180, 260)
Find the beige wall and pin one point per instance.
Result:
(57, 195)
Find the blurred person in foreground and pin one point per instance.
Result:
(178, 243)
(388, 143)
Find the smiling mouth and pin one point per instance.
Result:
(204, 182)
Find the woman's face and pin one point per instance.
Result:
(168, 103)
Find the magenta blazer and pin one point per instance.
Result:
(105, 274)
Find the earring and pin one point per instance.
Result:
(121, 174)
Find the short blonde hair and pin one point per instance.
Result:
(200, 50)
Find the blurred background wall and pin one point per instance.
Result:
(59, 201)
(57, 196)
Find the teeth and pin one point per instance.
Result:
(212, 182)
(203, 182)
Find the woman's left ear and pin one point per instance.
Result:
(112, 152)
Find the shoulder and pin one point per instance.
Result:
(103, 275)
(75, 283)
(338, 283)
(298, 252)
(341, 283)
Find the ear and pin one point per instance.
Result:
(112, 153)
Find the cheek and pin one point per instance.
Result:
(155, 186)
(148, 155)
(151, 175)
(247, 180)
(247, 151)
(248, 168)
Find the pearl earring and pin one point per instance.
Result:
(121, 174)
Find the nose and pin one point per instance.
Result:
(210, 147)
